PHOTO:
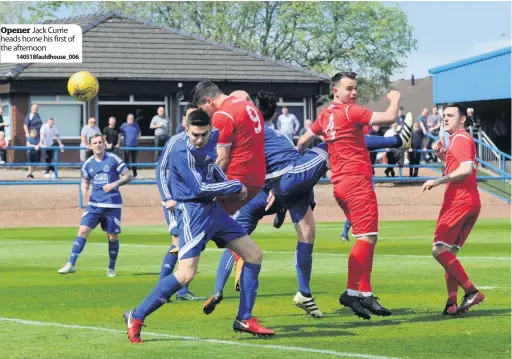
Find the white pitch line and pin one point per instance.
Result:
(272, 252)
(209, 341)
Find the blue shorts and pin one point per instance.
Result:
(109, 218)
(200, 222)
(249, 215)
(295, 188)
(170, 218)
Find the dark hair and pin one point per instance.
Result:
(203, 90)
(337, 78)
(189, 106)
(267, 103)
(198, 118)
(284, 107)
(462, 111)
(94, 136)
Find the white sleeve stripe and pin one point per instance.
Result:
(224, 144)
(469, 161)
(346, 112)
(164, 161)
(121, 165)
(203, 186)
(372, 119)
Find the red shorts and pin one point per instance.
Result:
(233, 204)
(356, 197)
(455, 223)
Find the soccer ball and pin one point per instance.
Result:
(83, 86)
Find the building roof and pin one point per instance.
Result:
(483, 77)
(118, 46)
(413, 97)
(470, 60)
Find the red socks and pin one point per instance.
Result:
(452, 266)
(453, 287)
(359, 262)
(365, 284)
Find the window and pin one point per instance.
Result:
(68, 113)
(68, 118)
(4, 103)
(143, 108)
(298, 111)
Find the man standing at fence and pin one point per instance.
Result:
(460, 209)
(287, 123)
(160, 123)
(111, 137)
(49, 132)
(131, 135)
(32, 121)
(433, 126)
(87, 132)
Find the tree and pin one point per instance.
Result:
(369, 38)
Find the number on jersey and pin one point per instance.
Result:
(255, 117)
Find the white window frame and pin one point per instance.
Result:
(131, 101)
(59, 102)
(8, 103)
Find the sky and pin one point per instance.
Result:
(448, 31)
(454, 30)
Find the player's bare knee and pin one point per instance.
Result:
(83, 231)
(176, 241)
(112, 237)
(437, 249)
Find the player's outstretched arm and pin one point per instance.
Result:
(223, 152)
(187, 171)
(304, 141)
(388, 117)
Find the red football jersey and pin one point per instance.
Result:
(460, 150)
(342, 127)
(240, 126)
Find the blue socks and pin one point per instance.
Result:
(163, 291)
(224, 270)
(78, 247)
(378, 142)
(113, 251)
(248, 290)
(168, 263)
(303, 264)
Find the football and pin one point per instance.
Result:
(83, 86)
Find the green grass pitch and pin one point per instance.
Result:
(47, 315)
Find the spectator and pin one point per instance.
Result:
(287, 123)
(401, 117)
(422, 121)
(49, 132)
(33, 121)
(307, 125)
(393, 156)
(34, 153)
(87, 132)
(3, 145)
(416, 144)
(131, 135)
(500, 131)
(3, 124)
(160, 123)
(433, 126)
(111, 137)
(473, 123)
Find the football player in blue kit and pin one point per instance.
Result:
(168, 204)
(193, 182)
(106, 172)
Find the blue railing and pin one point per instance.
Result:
(502, 174)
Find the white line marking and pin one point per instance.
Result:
(271, 252)
(209, 341)
(487, 287)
